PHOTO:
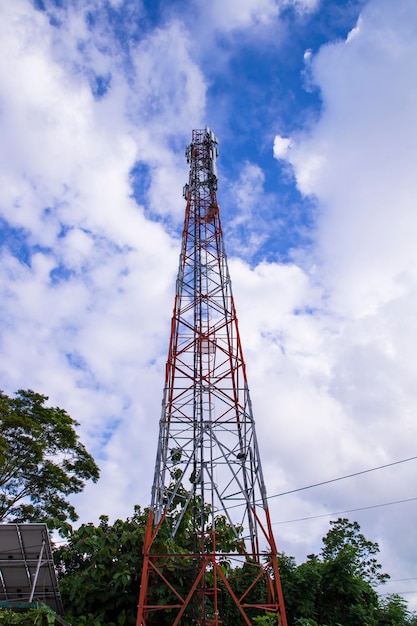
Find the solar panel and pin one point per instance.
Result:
(27, 571)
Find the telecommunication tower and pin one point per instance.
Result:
(209, 552)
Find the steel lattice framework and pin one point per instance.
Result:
(208, 473)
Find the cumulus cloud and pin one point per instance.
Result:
(92, 173)
(237, 14)
(302, 6)
(281, 146)
(243, 14)
(248, 189)
(91, 269)
(358, 162)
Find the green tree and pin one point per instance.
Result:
(394, 612)
(41, 616)
(308, 585)
(335, 587)
(287, 572)
(302, 588)
(269, 619)
(42, 461)
(99, 571)
(345, 598)
(350, 570)
(100, 567)
(345, 538)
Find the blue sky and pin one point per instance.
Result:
(314, 104)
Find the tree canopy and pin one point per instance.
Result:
(337, 587)
(42, 461)
(100, 569)
(344, 540)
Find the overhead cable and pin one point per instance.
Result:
(363, 508)
(333, 480)
(398, 593)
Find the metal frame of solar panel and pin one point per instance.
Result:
(27, 571)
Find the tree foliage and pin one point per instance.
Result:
(393, 611)
(336, 587)
(42, 461)
(344, 540)
(41, 616)
(100, 569)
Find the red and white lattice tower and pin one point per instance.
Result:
(208, 473)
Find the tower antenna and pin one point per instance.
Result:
(209, 552)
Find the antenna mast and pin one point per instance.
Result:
(209, 526)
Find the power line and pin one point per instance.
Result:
(333, 480)
(397, 593)
(399, 580)
(363, 508)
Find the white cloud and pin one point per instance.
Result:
(237, 14)
(167, 100)
(247, 192)
(358, 162)
(85, 318)
(302, 6)
(281, 147)
(331, 366)
(358, 159)
(245, 14)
